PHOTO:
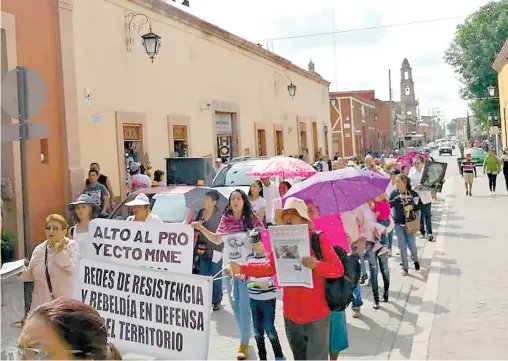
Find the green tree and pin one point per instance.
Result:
(452, 126)
(475, 46)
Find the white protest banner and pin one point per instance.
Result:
(150, 312)
(157, 245)
(289, 245)
(236, 247)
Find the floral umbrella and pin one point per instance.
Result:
(340, 190)
(285, 167)
(406, 160)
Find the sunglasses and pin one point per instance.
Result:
(18, 353)
(53, 228)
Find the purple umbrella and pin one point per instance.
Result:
(339, 191)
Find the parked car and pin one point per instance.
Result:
(433, 145)
(445, 148)
(166, 202)
(234, 176)
(477, 154)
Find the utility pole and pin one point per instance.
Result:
(390, 132)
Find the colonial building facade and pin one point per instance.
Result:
(501, 67)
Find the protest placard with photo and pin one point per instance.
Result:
(155, 313)
(289, 245)
(236, 247)
(433, 175)
(158, 245)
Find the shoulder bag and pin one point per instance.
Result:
(48, 279)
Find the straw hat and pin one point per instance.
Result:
(388, 167)
(292, 203)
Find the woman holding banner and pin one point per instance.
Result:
(53, 262)
(208, 256)
(238, 218)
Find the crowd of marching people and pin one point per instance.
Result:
(59, 326)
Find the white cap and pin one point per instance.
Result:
(351, 164)
(218, 160)
(140, 200)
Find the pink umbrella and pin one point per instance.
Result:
(286, 167)
(407, 159)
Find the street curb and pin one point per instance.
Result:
(425, 321)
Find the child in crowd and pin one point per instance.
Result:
(381, 207)
(263, 293)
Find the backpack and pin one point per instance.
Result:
(339, 291)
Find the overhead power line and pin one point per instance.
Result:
(365, 29)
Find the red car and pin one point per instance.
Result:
(166, 202)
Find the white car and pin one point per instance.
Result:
(445, 148)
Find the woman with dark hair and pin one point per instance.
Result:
(238, 217)
(204, 263)
(405, 204)
(83, 210)
(257, 202)
(65, 329)
(158, 179)
(284, 187)
(504, 159)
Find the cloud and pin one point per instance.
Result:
(363, 58)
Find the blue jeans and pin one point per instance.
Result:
(263, 320)
(357, 298)
(373, 259)
(406, 240)
(362, 264)
(209, 268)
(384, 236)
(240, 303)
(390, 239)
(426, 219)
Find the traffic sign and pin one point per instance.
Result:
(35, 93)
(26, 131)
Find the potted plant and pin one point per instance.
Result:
(8, 247)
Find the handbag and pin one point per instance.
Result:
(412, 226)
(48, 279)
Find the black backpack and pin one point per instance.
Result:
(339, 291)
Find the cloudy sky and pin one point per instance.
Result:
(361, 59)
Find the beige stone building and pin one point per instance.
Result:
(206, 92)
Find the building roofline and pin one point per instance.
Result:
(352, 92)
(501, 58)
(173, 13)
(359, 100)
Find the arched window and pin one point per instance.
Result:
(408, 90)
(406, 75)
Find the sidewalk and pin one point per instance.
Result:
(468, 283)
(382, 334)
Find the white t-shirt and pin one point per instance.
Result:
(151, 218)
(258, 204)
(270, 193)
(139, 181)
(416, 178)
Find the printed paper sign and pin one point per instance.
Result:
(236, 247)
(289, 245)
(157, 245)
(150, 312)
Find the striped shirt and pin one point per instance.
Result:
(261, 293)
(468, 166)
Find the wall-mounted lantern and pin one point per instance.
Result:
(492, 90)
(151, 43)
(333, 102)
(134, 22)
(292, 90)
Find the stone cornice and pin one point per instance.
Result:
(175, 14)
(501, 58)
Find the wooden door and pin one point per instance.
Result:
(279, 142)
(261, 142)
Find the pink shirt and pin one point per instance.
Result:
(231, 225)
(61, 269)
(383, 208)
